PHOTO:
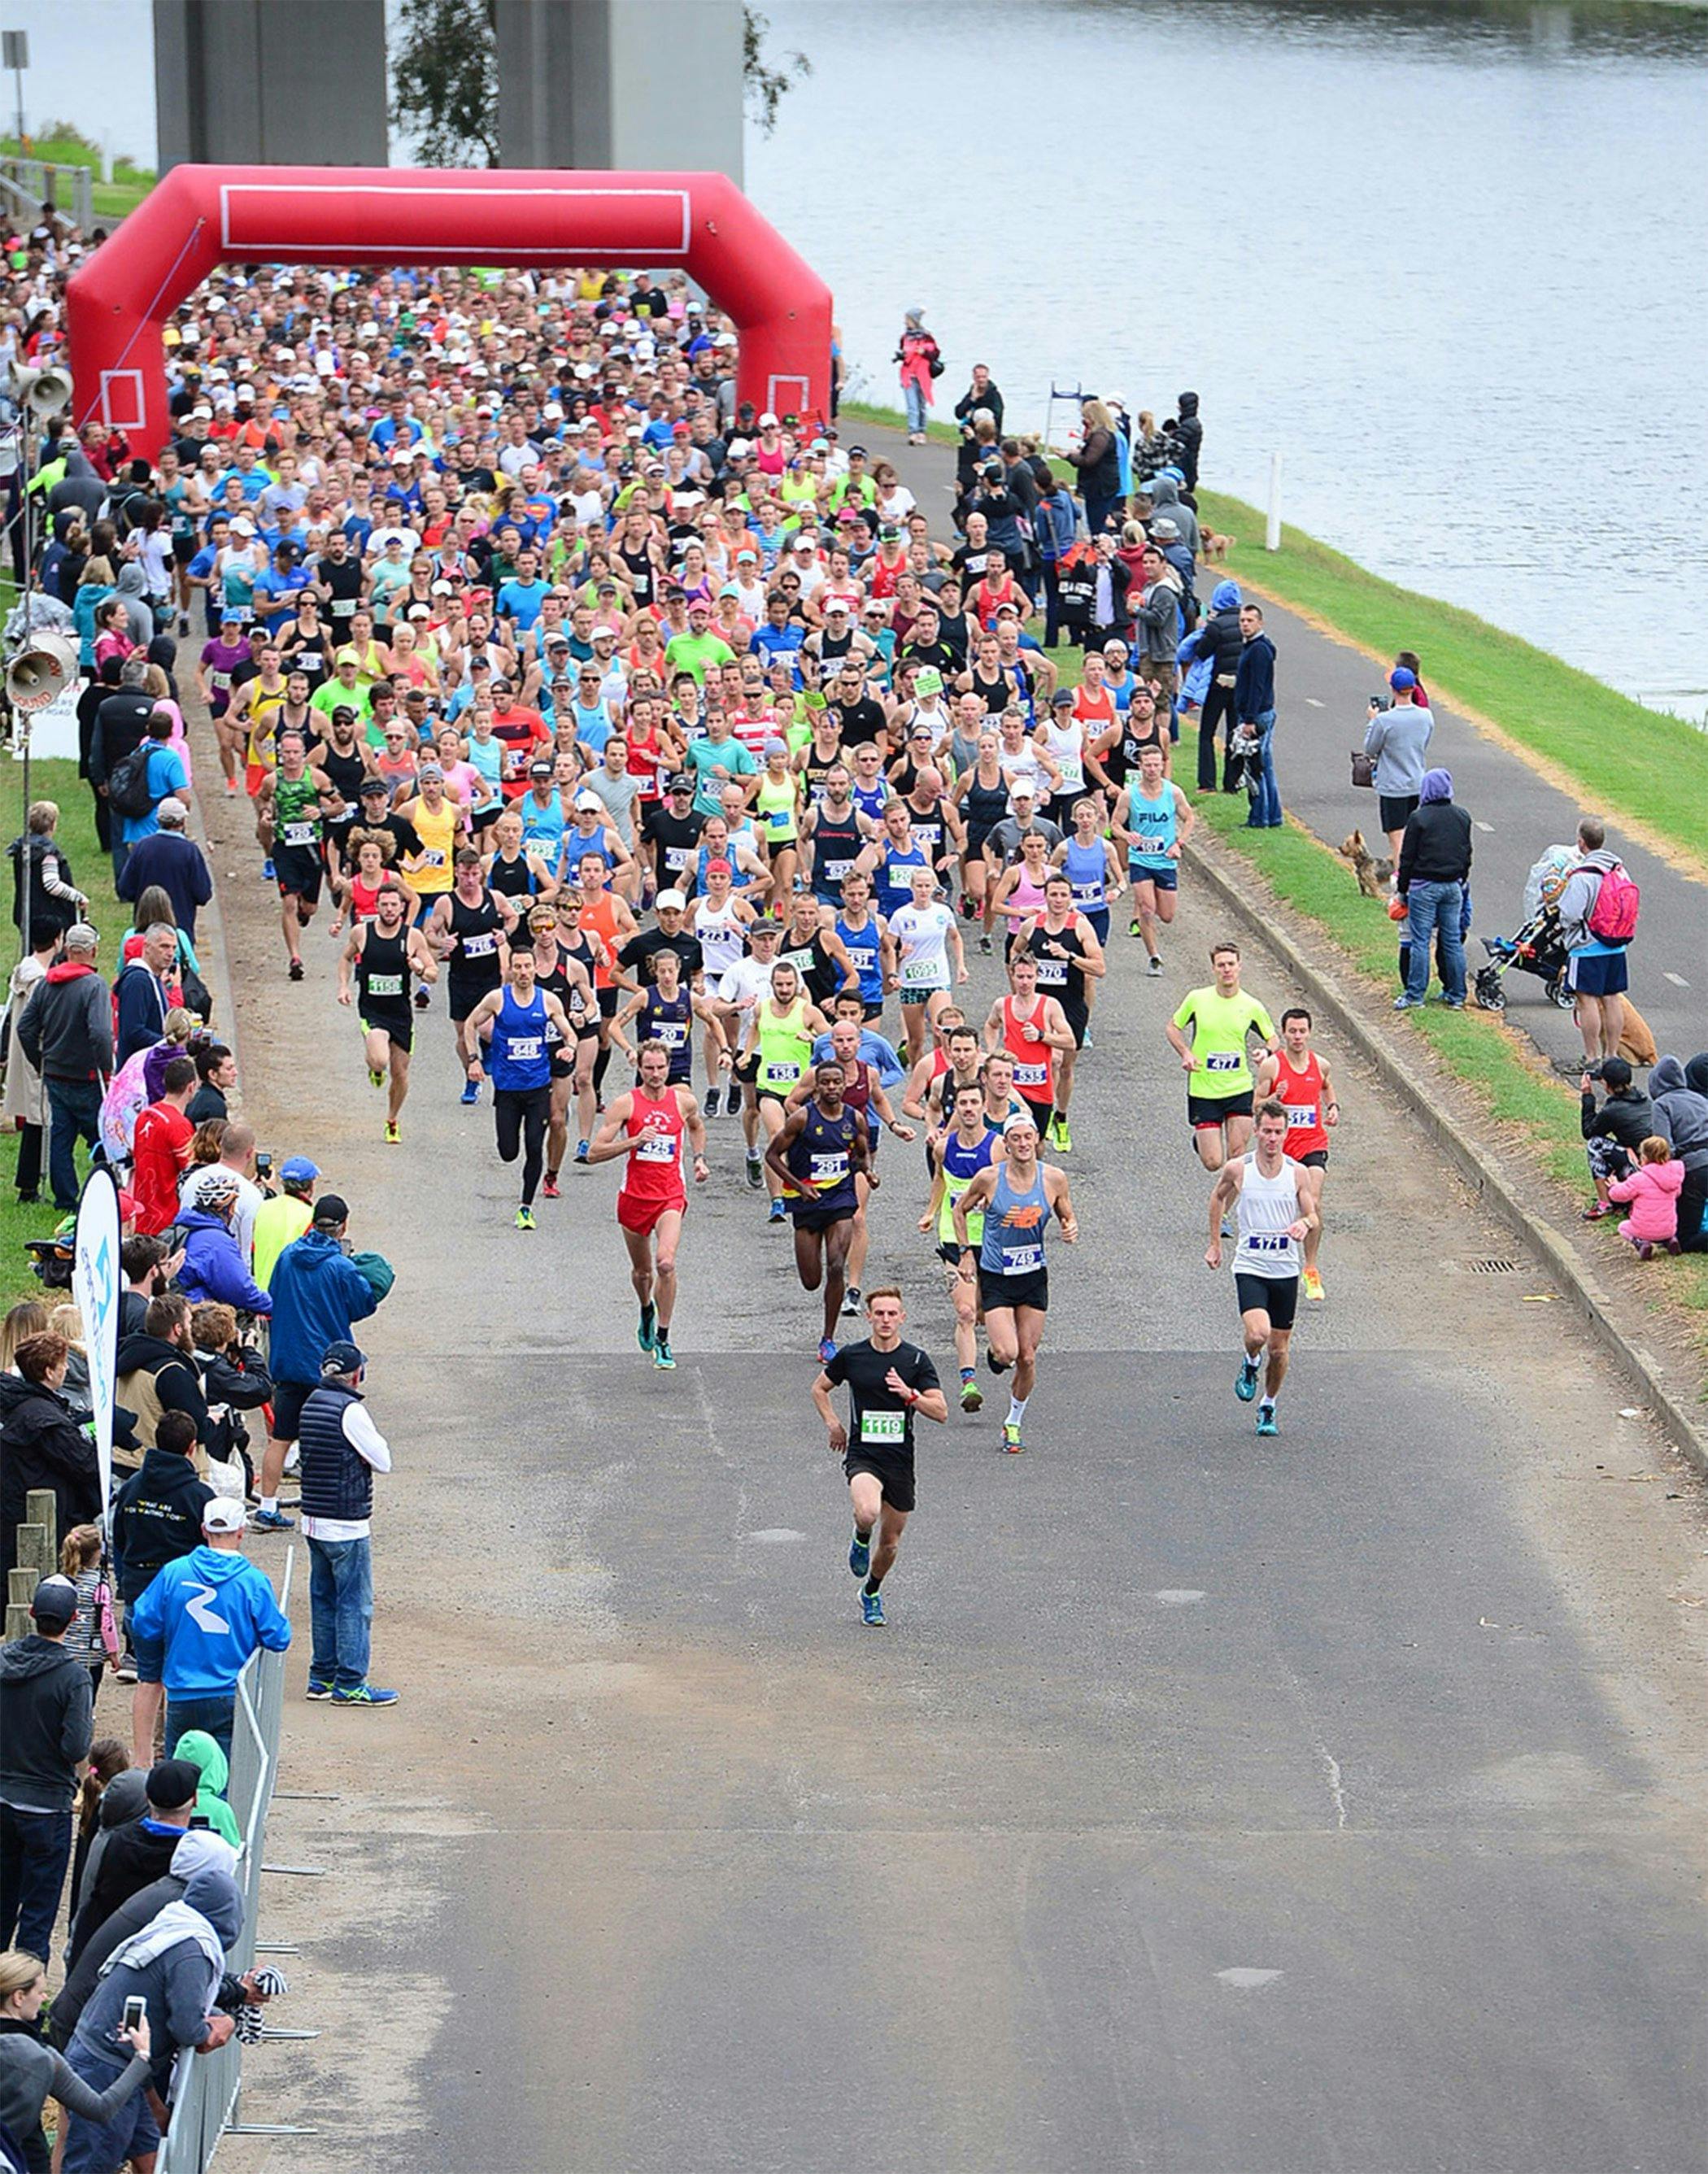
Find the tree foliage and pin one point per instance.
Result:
(765, 84)
(445, 81)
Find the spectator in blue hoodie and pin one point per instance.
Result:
(214, 1263)
(195, 1628)
(176, 1965)
(320, 1291)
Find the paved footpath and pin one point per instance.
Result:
(1211, 1805)
(1325, 685)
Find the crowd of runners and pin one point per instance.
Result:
(724, 800)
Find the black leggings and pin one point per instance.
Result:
(1693, 1206)
(1217, 710)
(520, 1115)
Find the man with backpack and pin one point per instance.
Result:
(1598, 905)
(139, 782)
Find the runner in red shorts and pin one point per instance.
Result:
(1295, 1075)
(647, 1125)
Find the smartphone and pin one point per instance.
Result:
(264, 1162)
(1380, 702)
(136, 2011)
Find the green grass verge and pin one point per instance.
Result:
(1528, 1103)
(1632, 761)
(110, 199)
(56, 782)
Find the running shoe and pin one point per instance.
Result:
(850, 1300)
(1060, 1138)
(872, 1608)
(378, 1079)
(550, 1189)
(756, 1171)
(1245, 1381)
(268, 874)
(827, 1350)
(1409, 1004)
(1266, 1418)
(422, 1000)
(581, 1151)
(471, 1091)
(1155, 969)
(860, 1554)
(365, 1695)
(272, 1520)
(972, 1397)
(996, 1366)
(317, 1690)
(663, 1357)
(1313, 1286)
(646, 1335)
(524, 1218)
(294, 970)
(779, 1212)
(1133, 927)
(985, 946)
(713, 1104)
(392, 1135)
(231, 788)
(1011, 1437)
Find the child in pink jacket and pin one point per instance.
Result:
(1652, 1190)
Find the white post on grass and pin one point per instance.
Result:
(1272, 531)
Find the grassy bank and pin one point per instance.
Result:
(92, 872)
(110, 199)
(1640, 766)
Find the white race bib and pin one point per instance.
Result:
(883, 1428)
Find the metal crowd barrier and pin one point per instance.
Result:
(29, 183)
(204, 2103)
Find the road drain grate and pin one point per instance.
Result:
(1489, 1267)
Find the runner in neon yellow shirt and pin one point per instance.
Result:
(1212, 1034)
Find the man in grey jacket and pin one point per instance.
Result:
(177, 1963)
(67, 1033)
(1681, 1119)
(1399, 739)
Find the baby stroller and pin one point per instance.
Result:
(1536, 946)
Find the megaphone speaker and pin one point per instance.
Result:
(44, 392)
(43, 668)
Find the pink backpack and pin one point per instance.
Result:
(1613, 917)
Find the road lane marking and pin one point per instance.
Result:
(1677, 980)
(1247, 1980)
(1178, 1596)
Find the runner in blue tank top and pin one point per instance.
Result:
(1017, 1197)
(816, 1156)
(862, 936)
(1090, 863)
(520, 1062)
(1154, 818)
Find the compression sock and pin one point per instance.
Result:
(1017, 1409)
(967, 1373)
(871, 1585)
(863, 1538)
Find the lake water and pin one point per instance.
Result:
(1448, 261)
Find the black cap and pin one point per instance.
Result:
(54, 1603)
(331, 1210)
(172, 1784)
(373, 785)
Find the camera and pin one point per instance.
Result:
(1381, 701)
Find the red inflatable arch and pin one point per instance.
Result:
(201, 217)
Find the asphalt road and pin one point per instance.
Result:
(1324, 686)
(1210, 1805)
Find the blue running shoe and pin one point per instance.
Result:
(471, 1093)
(872, 1607)
(860, 1554)
(268, 874)
(365, 1695)
(271, 1521)
(1266, 1418)
(646, 1334)
(779, 1212)
(317, 1690)
(827, 1350)
(1245, 1381)
(663, 1357)
(581, 1151)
